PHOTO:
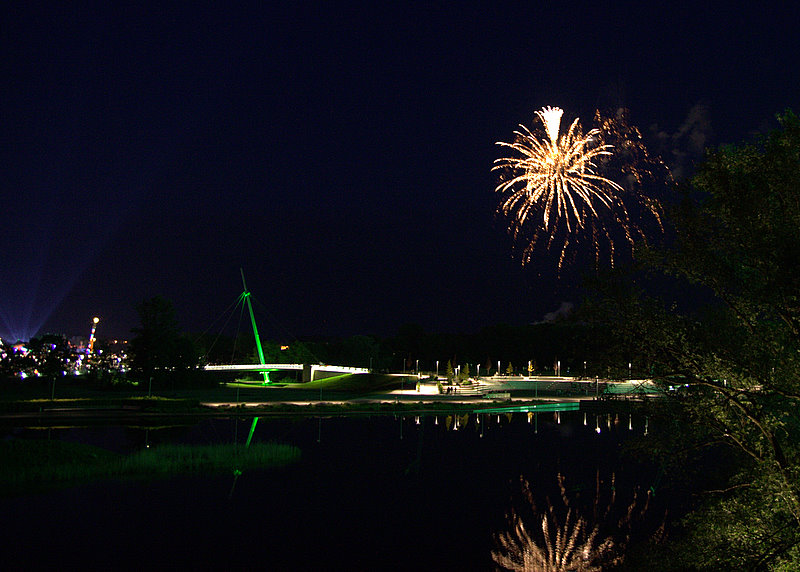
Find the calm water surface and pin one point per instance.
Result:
(380, 492)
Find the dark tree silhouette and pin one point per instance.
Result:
(159, 347)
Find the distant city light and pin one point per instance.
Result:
(95, 320)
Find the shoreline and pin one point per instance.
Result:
(126, 415)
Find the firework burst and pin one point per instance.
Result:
(553, 193)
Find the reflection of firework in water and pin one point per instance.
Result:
(559, 540)
(552, 191)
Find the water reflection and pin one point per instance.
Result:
(416, 474)
(569, 534)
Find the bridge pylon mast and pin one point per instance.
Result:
(246, 298)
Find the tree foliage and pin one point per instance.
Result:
(729, 336)
(159, 346)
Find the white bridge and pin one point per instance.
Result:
(311, 372)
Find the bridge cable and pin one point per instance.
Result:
(238, 329)
(229, 312)
(281, 329)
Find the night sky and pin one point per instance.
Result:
(339, 154)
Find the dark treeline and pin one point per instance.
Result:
(543, 345)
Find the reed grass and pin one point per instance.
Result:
(30, 465)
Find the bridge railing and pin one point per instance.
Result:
(286, 366)
(253, 367)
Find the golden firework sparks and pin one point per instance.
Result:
(551, 187)
(636, 168)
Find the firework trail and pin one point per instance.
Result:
(636, 168)
(552, 191)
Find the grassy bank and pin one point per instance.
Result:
(343, 395)
(31, 465)
(354, 408)
(356, 382)
(19, 397)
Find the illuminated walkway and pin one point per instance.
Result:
(311, 372)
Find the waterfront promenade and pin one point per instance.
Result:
(252, 398)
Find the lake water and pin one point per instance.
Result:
(378, 492)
